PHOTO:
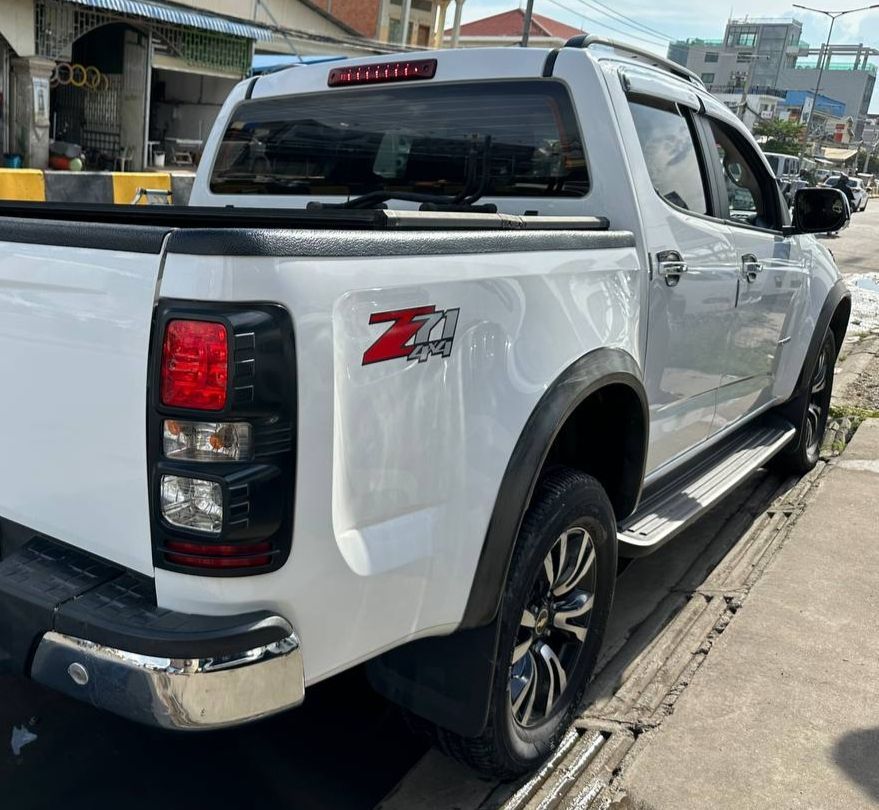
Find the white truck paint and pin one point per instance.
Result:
(399, 464)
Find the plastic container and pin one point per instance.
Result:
(12, 160)
(159, 160)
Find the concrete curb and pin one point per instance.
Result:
(120, 188)
(859, 354)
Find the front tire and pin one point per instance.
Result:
(810, 411)
(554, 613)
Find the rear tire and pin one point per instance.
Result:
(809, 412)
(554, 613)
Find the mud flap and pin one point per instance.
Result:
(446, 680)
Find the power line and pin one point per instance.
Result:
(646, 28)
(603, 24)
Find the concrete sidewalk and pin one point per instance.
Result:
(785, 710)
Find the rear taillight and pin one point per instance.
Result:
(195, 365)
(206, 555)
(221, 450)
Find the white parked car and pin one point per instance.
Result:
(861, 196)
(438, 340)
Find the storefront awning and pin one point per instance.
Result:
(839, 155)
(179, 16)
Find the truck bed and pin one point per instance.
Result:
(180, 216)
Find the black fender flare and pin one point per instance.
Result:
(794, 407)
(838, 293)
(447, 679)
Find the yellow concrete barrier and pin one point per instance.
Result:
(126, 184)
(22, 184)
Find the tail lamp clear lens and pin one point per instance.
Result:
(192, 503)
(207, 441)
(195, 365)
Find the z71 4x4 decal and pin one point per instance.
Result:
(416, 334)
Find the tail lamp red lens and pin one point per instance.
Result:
(383, 72)
(214, 555)
(195, 365)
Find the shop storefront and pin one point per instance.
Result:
(119, 84)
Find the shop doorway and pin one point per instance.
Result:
(183, 107)
(98, 98)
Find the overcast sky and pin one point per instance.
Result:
(680, 19)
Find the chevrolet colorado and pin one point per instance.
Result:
(435, 342)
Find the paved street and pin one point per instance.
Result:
(857, 248)
(345, 748)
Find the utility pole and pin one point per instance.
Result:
(746, 87)
(526, 25)
(404, 22)
(823, 59)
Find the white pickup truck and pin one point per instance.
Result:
(436, 341)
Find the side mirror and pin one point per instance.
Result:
(820, 210)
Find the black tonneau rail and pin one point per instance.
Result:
(186, 217)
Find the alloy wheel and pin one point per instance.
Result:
(553, 628)
(819, 402)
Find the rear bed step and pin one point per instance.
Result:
(673, 505)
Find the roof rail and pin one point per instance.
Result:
(588, 40)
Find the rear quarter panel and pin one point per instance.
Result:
(400, 461)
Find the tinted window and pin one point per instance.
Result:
(751, 191)
(425, 138)
(670, 152)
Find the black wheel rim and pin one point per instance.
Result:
(819, 403)
(553, 628)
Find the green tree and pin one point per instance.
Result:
(782, 136)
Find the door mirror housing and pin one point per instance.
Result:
(820, 210)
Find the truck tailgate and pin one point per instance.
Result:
(76, 304)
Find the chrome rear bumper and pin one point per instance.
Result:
(174, 693)
(94, 631)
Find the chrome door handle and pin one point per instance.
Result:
(751, 267)
(670, 265)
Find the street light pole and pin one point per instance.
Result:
(824, 58)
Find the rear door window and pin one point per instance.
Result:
(503, 138)
(669, 148)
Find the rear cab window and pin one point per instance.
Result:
(508, 138)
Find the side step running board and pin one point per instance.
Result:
(672, 505)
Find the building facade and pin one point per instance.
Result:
(848, 76)
(124, 80)
(751, 51)
(754, 106)
(770, 54)
(384, 20)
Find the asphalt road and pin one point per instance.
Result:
(344, 748)
(857, 247)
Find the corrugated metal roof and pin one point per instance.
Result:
(180, 16)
